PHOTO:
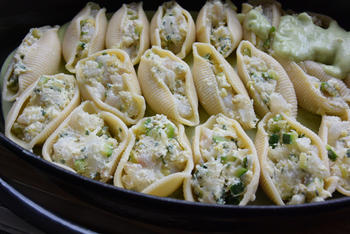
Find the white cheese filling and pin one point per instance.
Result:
(173, 27)
(156, 154)
(173, 74)
(105, 76)
(293, 164)
(50, 96)
(226, 168)
(86, 145)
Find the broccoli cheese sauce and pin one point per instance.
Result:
(131, 32)
(156, 153)
(339, 150)
(18, 66)
(226, 165)
(237, 105)
(220, 35)
(293, 163)
(46, 102)
(172, 74)
(105, 76)
(86, 145)
(173, 27)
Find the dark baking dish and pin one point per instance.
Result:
(16, 19)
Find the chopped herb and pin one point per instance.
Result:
(62, 161)
(120, 130)
(82, 45)
(348, 153)
(272, 29)
(228, 158)
(273, 140)
(287, 138)
(107, 150)
(332, 155)
(104, 53)
(237, 189)
(168, 37)
(224, 127)
(83, 149)
(245, 162)
(266, 76)
(328, 89)
(22, 56)
(162, 159)
(43, 112)
(99, 133)
(87, 132)
(217, 139)
(170, 131)
(241, 171)
(80, 165)
(169, 148)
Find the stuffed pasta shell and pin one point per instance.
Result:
(218, 25)
(41, 108)
(85, 35)
(293, 162)
(172, 28)
(266, 80)
(219, 88)
(167, 85)
(157, 159)
(89, 142)
(227, 167)
(108, 78)
(317, 91)
(335, 134)
(128, 30)
(38, 54)
(260, 21)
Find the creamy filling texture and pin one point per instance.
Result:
(105, 76)
(237, 105)
(156, 153)
(293, 163)
(50, 96)
(220, 35)
(173, 27)
(339, 150)
(131, 30)
(173, 74)
(86, 145)
(18, 66)
(226, 167)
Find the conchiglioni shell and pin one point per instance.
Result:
(114, 34)
(207, 87)
(116, 126)
(129, 78)
(262, 146)
(72, 35)
(155, 30)
(309, 97)
(284, 85)
(271, 9)
(168, 184)
(325, 133)
(157, 93)
(43, 57)
(21, 103)
(246, 141)
(204, 22)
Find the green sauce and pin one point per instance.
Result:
(299, 39)
(256, 22)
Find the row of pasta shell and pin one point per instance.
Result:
(109, 79)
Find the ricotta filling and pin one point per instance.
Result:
(293, 164)
(237, 105)
(48, 99)
(87, 32)
(173, 27)
(173, 75)
(226, 169)
(339, 150)
(86, 145)
(106, 76)
(220, 36)
(156, 154)
(18, 68)
(131, 32)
